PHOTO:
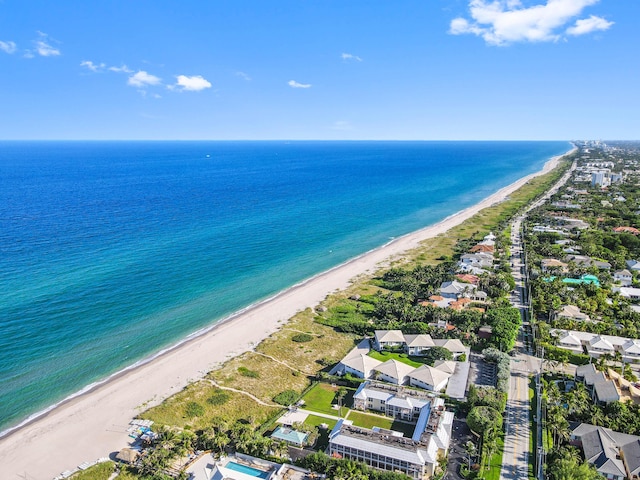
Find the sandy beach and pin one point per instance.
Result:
(93, 425)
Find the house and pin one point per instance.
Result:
(447, 366)
(429, 378)
(456, 290)
(415, 456)
(631, 293)
(290, 436)
(569, 341)
(388, 338)
(467, 278)
(551, 264)
(393, 401)
(631, 230)
(602, 389)
(615, 455)
(600, 345)
(454, 345)
(631, 349)
(418, 344)
(623, 277)
(393, 371)
(573, 313)
(633, 265)
(360, 365)
(480, 247)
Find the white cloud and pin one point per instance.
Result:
(92, 66)
(194, 83)
(122, 69)
(501, 22)
(348, 56)
(7, 47)
(588, 25)
(294, 84)
(243, 75)
(143, 79)
(43, 48)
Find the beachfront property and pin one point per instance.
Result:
(615, 455)
(417, 456)
(245, 467)
(415, 344)
(435, 378)
(290, 436)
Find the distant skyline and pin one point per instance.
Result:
(334, 70)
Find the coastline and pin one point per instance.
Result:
(92, 423)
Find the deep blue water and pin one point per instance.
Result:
(110, 251)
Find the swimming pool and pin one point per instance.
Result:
(254, 472)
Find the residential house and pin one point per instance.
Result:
(573, 313)
(623, 277)
(417, 344)
(429, 378)
(548, 265)
(615, 455)
(631, 230)
(602, 389)
(359, 365)
(393, 371)
(569, 341)
(633, 265)
(600, 345)
(388, 338)
(631, 293)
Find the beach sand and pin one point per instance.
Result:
(93, 425)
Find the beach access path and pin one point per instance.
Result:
(93, 425)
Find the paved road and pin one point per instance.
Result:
(515, 458)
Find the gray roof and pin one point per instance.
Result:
(631, 452)
(429, 375)
(606, 391)
(422, 340)
(601, 448)
(394, 369)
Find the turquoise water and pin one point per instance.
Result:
(111, 251)
(253, 472)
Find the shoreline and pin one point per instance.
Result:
(92, 423)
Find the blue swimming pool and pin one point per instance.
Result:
(254, 472)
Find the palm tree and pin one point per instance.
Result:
(220, 441)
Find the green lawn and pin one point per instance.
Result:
(496, 462)
(316, 421)
(321, 399)
(532, 427)
(363, 420)
(401, 357)
(101, 471)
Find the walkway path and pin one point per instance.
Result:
(253, 397)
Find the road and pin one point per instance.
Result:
(515, 458)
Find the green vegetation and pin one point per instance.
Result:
(400, 357)
(288, 397)
(244, 371)
(366, 420)
(302, 337)
(339, 469)
(219, 397)
(100, 471)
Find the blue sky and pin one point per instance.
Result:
(320, 69)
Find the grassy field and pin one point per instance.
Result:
(495, 464)
(316, 421)
(101, 471)
(365, 420)
(401, 357)
(292, 367)
(173, 411)
(322, 397)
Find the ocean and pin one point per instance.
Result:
(112, 251)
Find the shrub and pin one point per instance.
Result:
(245, 372)
(288, 397)
(194, 409)
(302, 337)
(462, 357)
(218, 398)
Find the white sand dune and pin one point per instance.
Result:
(93, 424)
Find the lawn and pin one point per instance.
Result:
(101, 471)
(316, 421)
(321, 399)
(400, 357)
(495, 462)
(365, 420)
